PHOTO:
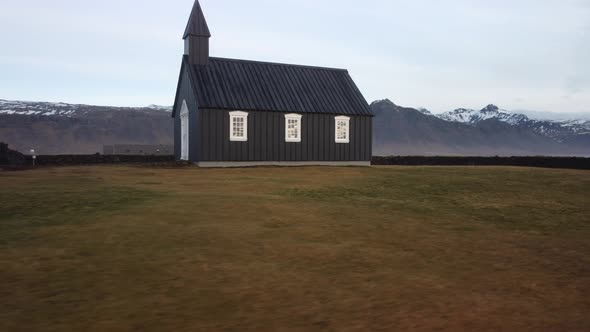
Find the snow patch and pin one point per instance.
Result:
(160, 107)
(473, 117)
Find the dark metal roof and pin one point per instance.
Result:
(197, 25)
(251, 85)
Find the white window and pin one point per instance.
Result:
(342, 129)
(293, 128)
(238, 126)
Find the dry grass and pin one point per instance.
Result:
(301, 249)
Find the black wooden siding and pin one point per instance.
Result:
(185, 93)
(198, 49)
(266, 138)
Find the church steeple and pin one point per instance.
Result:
(196, 37)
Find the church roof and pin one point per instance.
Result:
(197, 25)
(263, 86)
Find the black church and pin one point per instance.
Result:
(231, 112)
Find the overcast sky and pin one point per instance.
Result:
(441, 55)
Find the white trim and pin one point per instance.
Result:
(237, 115)
(345, 119)
(184, 132)
(293, 117)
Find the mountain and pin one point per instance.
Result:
(552, 116)
(489, 112)
(560, 130)
(66, 110)
(424, 111)
(490, 131)
(59, 128)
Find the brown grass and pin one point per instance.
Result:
(300, 249)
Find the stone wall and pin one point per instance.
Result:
(139, 150)
(97, 159)
(3, 153)
(546, 162)
(14, 159)
(10, 157)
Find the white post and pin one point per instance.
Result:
(34, 156)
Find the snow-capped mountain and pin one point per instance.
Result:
(556, 129)
(490, 131)
(65, 110)
(489, 112)
(34, 108)
(424, 111)
(60, 128)
(160, 107)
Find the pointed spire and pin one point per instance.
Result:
(197, 25)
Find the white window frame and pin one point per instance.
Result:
(296, 117)
(235, 115)
(345, 119)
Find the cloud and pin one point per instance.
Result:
(441, 55)
(577, 84)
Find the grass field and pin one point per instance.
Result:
(118, 248)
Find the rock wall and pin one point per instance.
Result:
(545, 162)
(97, 159)
(10, 157)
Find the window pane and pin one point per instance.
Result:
(342, 130)
(292, 128)
(238, 127)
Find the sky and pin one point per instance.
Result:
(440, 55)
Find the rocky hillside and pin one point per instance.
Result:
(58, 128)
(560, 130)
(490, 131)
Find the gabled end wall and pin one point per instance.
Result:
(185, 92)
